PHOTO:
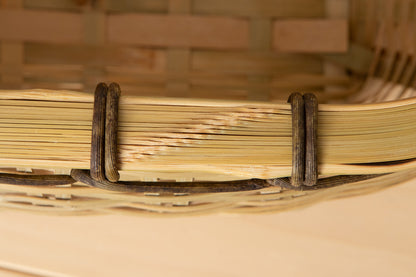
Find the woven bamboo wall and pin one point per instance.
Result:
(387, 28)
(234, 49)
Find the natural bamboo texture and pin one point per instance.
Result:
(256, 50)
(187, 139)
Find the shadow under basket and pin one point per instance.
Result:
(202, 113)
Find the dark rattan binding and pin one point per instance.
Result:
(97, 166)
(311, 139)
(304, 139)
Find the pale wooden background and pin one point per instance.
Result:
(371, 235)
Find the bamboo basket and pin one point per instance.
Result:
(209, 59)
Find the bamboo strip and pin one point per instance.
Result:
(178, 31)
(311, 36)
(262, 8)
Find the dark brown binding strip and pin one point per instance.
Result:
(35, 180)
(111, 125)
(311, 136)
(304, 139)
(97, 135)
(323, 183)
(298, 139)
(170, 187)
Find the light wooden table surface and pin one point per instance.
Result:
(371, 235)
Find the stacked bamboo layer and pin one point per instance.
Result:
(186, 139)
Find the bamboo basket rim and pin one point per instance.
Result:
(77, 199)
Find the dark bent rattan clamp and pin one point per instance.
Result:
(103, 171)
(304, 140)
(305, 149)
